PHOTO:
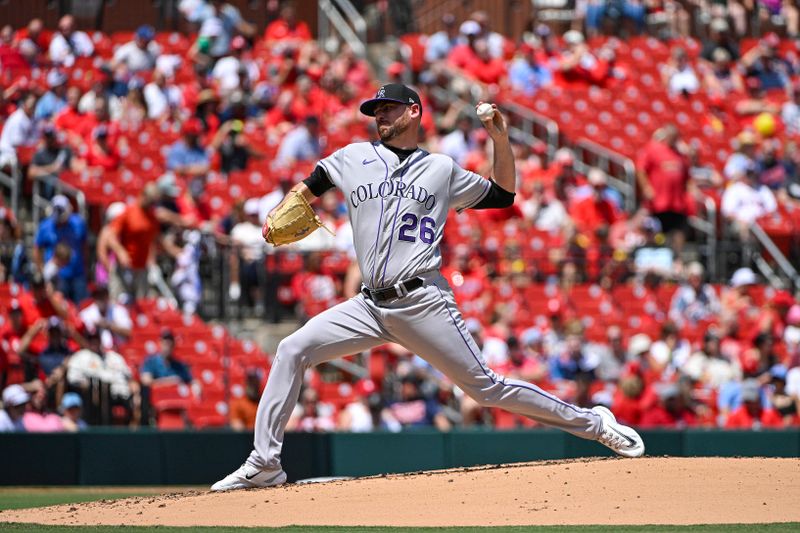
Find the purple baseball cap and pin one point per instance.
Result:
(391, 92)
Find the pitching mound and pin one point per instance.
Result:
(590, 491)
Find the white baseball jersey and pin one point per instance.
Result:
(398, 210)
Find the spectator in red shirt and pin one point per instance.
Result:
(33, 41)
(463, 54)
(577, 66)
(595, 210)
(286, 28)
(315, 290)
(77, 125)
(102, 154)
(663, 178)
(132, 238)
(11, 59)
(671, 411)
(483, 66)
(751, 414)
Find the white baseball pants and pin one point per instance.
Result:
(426, 322)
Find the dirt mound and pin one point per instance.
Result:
(594, 491)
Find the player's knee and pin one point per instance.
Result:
(290, 351)
(489, 395)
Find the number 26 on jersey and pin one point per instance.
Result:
(408, 230)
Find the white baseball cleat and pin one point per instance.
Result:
(622, 439)
(248, 477)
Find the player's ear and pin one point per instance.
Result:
(415, 110)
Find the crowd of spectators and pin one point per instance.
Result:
(199, 138)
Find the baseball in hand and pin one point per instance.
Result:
(485, 111)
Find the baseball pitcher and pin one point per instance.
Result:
(398, 196)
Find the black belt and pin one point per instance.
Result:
(396, 291)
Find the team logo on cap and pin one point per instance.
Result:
(381, 92)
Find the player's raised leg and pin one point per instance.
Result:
(435, 330)
(350, 327)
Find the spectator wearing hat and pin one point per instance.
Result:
(110, 319)
(301, 144)
(438, 45)
(678, 75)
(763, 62)
(694, 300)
(463, 53)
(671, 411)
(526, 74)
(664, 180)
(243, 409)
(71, 410)
(188, 156)
(132, 238)
(64, 226)
(720, 36)
(575, 359)
(495, 42)
(484, 67)
(751, 414)
(758, 359)
(101, 153)
(413, 409)
(162, 97)
(206, 111)
(286, 29)
(18, 131)
(50, 160)
(233, 147)
(62, 338)
(721, 78)
(595, 210)
(247, 270)
(164, 365)
(745, 200)
(68, 44)
(38, 418)
(577, 65)
(311, 415)
(235, 72)
(54, 100)
(139, 54)
(103, 377)
(15, 400)
(709, 367)
(780, 400)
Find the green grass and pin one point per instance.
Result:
(739, 528)
(24, 500)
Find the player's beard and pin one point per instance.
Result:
(387, 132)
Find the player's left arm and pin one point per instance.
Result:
(503, 170)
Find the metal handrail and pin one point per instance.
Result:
(12, 184)
(786, 267)
(329, 15)
(358, 22)
(604, 157)
(41, 203)
(529, 120)
(708, 227)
